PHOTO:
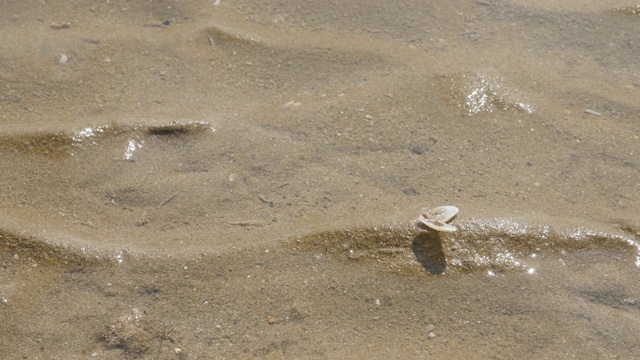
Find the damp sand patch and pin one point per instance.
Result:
(66, 143)
(42, 251)
(493, 245)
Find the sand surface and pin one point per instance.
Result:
(182, 180)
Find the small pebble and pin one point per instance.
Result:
(177, 351)
(272, 320)
(63, 59)
(432, 335)
(430, 328)
(592, 112)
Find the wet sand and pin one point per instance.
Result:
(183, 180)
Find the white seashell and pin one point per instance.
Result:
(436, 218)
(441, 213)
(438, 225)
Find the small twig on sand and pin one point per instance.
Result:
(265, 200)
(167, 201)
(246, 223)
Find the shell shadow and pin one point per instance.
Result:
(427, 248)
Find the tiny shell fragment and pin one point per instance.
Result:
(60, 25)
(63, 59)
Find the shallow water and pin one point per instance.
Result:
(242, 180)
